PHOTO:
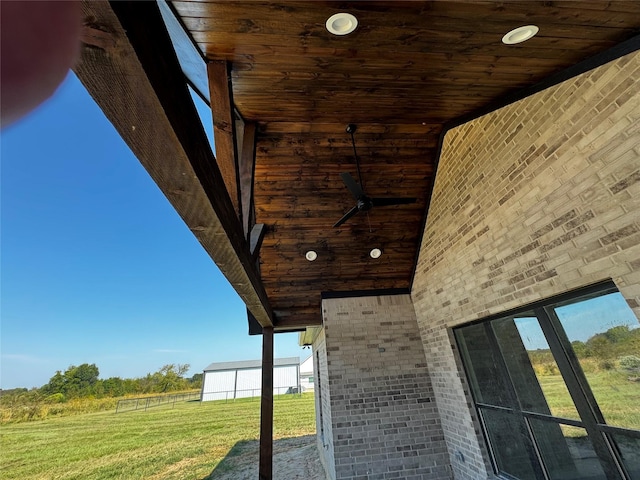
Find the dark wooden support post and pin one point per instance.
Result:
(224, 127)
(247, 165)
(266, 406)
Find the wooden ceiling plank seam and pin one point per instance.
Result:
(327, 142)
(322, 130)
(442, 57)
(224, 128)
(136, 80)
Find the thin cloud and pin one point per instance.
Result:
(19, 357)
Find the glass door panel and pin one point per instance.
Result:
(532, 368)
(605, 336)
(566, 451)
(511, 446)
(630, 452)
(483, 363)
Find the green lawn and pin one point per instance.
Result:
(618, 398)
(188, 441)
(185, 442)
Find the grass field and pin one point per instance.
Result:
(185, 442)
(189, 440)
(617, 397)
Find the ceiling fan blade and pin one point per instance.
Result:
(346, 216)
(354, 188)
(386, 202)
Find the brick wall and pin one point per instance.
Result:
(536, 199)
(322, 391)
(385, 423)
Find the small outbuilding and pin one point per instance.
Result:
(306, 375)
(231, 380)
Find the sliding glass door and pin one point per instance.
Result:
(557, 386)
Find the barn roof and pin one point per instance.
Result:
(247, 364)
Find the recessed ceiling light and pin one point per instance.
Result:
(520, 34)
(311, 255)
(342, 23)
(375, 253)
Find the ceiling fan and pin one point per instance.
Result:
(363, 202)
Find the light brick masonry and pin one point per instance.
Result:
(385, 423)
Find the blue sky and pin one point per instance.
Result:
(581, 320)
(97, 267)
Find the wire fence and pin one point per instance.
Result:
(144, 403)
(231, 395)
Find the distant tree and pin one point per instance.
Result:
(171, 377)
(618, 334)
(74, 382)
(113, 387)
(149, 383)
(196, 380)
(80, 380)
(131, 385)
(599, 346)
(56, 384)
(579, 348)
(13, 396)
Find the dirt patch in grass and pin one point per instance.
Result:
(293, 458)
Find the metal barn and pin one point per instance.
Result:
(306, 374)
(231, 380)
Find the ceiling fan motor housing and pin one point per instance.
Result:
(364, 204)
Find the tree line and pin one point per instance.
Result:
(83, 381)
(618, 347)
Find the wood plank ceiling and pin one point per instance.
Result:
(408, 70)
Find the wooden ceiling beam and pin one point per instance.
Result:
(130, 69)
(224, 127)
(247, 168)
(294, 321)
